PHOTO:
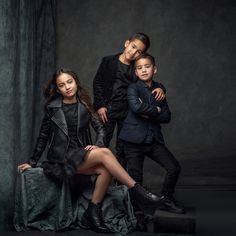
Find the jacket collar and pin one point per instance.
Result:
(57, 102)
(143, 84)
(58, 116)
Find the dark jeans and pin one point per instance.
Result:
(135, 153)
(116, 117)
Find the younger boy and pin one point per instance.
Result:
(110, 85)
(141, 132)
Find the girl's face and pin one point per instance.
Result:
(133, 49)
(67, 87)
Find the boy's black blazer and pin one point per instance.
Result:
(105, 79)
(143, 114)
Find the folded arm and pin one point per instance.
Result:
(158, 111)
(137, 105)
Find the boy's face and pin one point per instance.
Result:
(133, 49)
(144, 69)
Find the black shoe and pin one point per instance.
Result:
(143, 198)
(93, 219)
(170, 204)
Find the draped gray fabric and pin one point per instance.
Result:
(58, 209)
(27, 60)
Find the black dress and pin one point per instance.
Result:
(75, 153)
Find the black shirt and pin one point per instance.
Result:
(123, 80)
(71, 115)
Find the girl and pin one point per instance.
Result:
(65, 128)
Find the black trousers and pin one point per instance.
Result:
(116, 116)
(135, 154)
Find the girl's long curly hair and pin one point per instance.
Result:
(51, 91)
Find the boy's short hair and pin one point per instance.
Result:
(143, 38)
(144, 56)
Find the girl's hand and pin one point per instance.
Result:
(90, 147)
(159, 94)
(24, 167)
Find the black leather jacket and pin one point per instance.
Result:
(54, 132)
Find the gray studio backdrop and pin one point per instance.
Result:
(194, 43)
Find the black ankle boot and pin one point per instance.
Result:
(144, 199)
(93, 218)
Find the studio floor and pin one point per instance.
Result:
(215, 215)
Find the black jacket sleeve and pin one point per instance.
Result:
(164, 116)
(99, 129)
(41, 140)
(99, 85)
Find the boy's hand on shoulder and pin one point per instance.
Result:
(159, 94)
(102, 112)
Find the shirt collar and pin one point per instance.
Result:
(145, 85)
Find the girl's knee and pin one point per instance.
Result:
(106, 154)
(106, 151)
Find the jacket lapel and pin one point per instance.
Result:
(60, 120)
(114, 66)
(79, 116)
(147, 95)
(58, 116)
(143, 92)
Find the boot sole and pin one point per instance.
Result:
(86, 224)
(150, 208)
(170, 210)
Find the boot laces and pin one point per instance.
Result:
(99, 212)
(147, 191)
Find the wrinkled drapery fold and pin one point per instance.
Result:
(43, 205)
(27, 47)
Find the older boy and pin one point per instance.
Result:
(142, 134)
(110, 84)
